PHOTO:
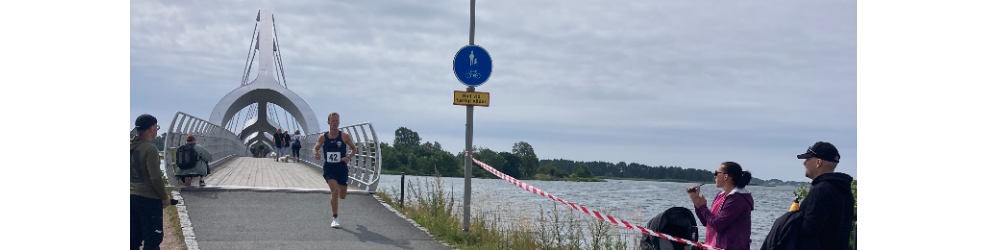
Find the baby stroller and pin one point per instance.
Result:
(679, 222)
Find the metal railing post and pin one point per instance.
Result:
(402, 193)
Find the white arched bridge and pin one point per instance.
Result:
(250, 115)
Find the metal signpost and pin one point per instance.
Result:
(472, 66)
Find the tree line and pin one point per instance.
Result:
(158, 141)
(408, 155)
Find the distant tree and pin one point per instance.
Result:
(551, 169)
(158, 141)
(405, 138)
(512, 167)
(446, 164)
(528, 159)
(489, 157)
(854, 189)
(582, 171)
(390, 158)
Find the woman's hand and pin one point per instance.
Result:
(694, 189)
(698, 200)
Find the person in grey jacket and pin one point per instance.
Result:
(199, 170)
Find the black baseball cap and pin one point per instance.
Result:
(822, 150)
(144, 122)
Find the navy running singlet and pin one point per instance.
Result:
(334, 150)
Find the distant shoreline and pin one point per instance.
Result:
(597, 177)
(676, 181)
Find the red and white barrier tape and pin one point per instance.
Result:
(583, 209)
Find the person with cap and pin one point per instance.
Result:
(828, 210)
(148, 195)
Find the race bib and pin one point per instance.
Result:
(333, 157)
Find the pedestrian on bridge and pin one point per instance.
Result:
(148, 194)
(334, 149)
(296, 145)
(200, 169)
(279, 140)
(287, 140)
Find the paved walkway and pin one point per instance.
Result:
(246, 172)
(270, 220)
(256, 203)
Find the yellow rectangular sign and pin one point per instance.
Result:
(466, 98)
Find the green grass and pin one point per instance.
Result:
(175, 220)
(172, 216)
(428, 205)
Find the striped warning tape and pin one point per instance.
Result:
(583, 209)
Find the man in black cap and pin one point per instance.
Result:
(148, 193)
(828, 209)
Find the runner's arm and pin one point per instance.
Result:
(319, 144)
(350, 143)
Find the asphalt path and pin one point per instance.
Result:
(225, 219)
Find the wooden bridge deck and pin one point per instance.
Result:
(266, 173)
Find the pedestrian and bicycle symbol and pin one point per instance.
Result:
(476, 70)
(472, 74)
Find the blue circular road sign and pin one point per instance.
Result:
(472, 65)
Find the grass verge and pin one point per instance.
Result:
(559, 228)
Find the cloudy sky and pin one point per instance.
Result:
(673, 83)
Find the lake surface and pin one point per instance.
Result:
(627, 200)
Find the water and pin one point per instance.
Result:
(621, 198)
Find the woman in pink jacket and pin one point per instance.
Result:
(727, 222)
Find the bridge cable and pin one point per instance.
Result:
(277, 44)
(245, 67)
(236, 122)
(255, 108)
(251, 110)
(274, 110)
(290, 125)
(245, 119)
(227, 124)
(246, 77)
(276, 76)
(270, 109)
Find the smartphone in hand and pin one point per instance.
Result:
(694, 188)
(173, 202)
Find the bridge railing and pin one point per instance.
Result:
(364, 168)
(223, 144)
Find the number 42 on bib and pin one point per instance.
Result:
(333, 157)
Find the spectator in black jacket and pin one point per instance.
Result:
(279, 144)
(828, 210)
